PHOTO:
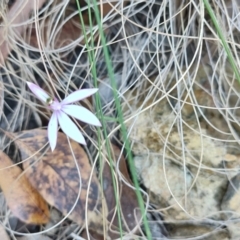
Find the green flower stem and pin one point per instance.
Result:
(100, 115)
(121, 122)
(222, 38)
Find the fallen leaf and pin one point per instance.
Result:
(3, 234)
(55, 175)
(64, 36)
(70, 30)
(128, 198)
(106, 8)
(22, 199)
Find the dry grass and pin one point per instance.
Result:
(165, 55)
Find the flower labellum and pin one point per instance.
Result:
(62, 109)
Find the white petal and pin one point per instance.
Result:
(79, 95)
(39, 92)
(81, 114)
(53, 130)
(69, 128)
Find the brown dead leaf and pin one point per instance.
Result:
(70, 31)
(105, 8)
(55, 176)
(128, 198)
(65, 35)
(22, 199)
(3, 234)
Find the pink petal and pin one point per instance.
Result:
(81, 114)
(53, 130)
(39, 92)
(79, 95)
(69, 128)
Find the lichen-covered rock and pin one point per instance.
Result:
(171, 186)
(178, 161)
(162, 176)
(199, 230)
(231, 199)
(231, 206)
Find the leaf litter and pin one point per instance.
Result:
(22, 199)
(128, 200)
(56, 178)
(72, 39)
(55, 175)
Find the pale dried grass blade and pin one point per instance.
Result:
(1, 99)
(13, 23)
(3, 234)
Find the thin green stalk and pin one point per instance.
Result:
(222, 38)
(100, 113)
(121, 121)
(110, 119)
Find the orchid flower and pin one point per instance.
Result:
(62, 109)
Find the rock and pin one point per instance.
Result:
(231, 199)
(165, 180)
(162, 177)
(233, 229)
(231, 206)
(201, 230)
(177, 160)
